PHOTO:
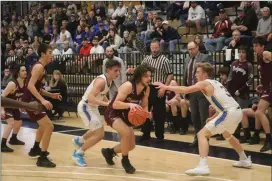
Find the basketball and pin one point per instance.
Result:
(138, 117)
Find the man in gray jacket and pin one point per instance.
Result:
(198, 103)
(122, 77)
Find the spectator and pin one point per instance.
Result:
(113, 40)
(96, 56)
(23, 34)
(11, 60)
(35, 45)
(100, 10)
(86, 47)
(96, 49)
(243, 24)
(72, 7)
(156, 32)
(66, 50)
(78, 38)
(129, 23)
(119, 14)
(31, 57)
(7, 78)
(265, 24)
(17, 46)
(222, 30)
(196, 17)
(89, 33)
(92, 19)
(122, 77)
(170, 36)
(101, 33)
(66, 33)
(198, 103)
(269, 42)
(20, 57)
(149, 24)
(32, 29)
(47, 36)
(72, 25)
(199, 42)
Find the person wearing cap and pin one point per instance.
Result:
(84, 54)
(245, 23)
(169, 36)
(222, 30)
(196, 17)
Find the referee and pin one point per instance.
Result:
(162, 73)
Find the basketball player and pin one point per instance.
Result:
(34, 92)
(225, 121)
(14, 90)
(87, 108)
(131, 95)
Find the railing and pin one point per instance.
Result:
(79, 70)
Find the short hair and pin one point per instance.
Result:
(206, 67)
(259, 40)
(112, 63)
(159, 18)
(43, 48)
(223, 70)
(155, 41)
(140, 71)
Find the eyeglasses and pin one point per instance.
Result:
(190, 49)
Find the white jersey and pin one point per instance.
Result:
(100, 95)
(221, 99)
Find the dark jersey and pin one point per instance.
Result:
(133, 97)
(265, 70)
(170, 95)
(28, 97)
(19, 91)
(240, 78)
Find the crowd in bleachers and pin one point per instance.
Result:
(129, 27)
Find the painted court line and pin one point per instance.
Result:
(71, 130)
(120, 169)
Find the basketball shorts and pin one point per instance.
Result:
(13, 113)
(227, 120)
(267, 97)
(89, 115)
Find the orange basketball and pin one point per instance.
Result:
(138, 117)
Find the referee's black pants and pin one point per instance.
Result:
(159, 114)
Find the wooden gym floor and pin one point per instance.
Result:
(164, 162)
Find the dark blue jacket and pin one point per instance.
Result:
(170, 34)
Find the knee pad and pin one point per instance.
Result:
(228, 138)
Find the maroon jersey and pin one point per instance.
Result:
(265, 70)
(170, 95)
(240, 78)
(133, 97)
(17, 95)
(28, 97)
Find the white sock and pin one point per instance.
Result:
(242, 155)
(81, 140)
(80, 151)
(203, 161)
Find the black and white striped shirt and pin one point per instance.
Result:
(162, 67)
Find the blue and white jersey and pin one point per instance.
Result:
(221, 99)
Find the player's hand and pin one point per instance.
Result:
(3, 114)
(134, 107)
(254, 106)
(178, 98)
(47, 104)
(56, 96)
(161, 92)
(159, 85)
(259, 89)
(237, 93)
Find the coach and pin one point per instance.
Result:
(162, 73)
(198, 103)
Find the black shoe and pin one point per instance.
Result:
(144, 138)
(183, 132)
(106, 152)
(220, 137)
(173, 131)
(15, 141)
(267, 146)
(254, 140)
(160, 140)
(245, 139)
(34, 152)
(6, 149)
(45, 162)
(127, 166)
(194, 144)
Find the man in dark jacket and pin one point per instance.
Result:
(169, 36)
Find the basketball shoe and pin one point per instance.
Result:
(202, 169)
(127, 165)
(243, 163)
(76, 142)
(108, 154)
(79, 159)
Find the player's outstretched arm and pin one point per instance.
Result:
(10, 103)
(182, 89)
(99, 85)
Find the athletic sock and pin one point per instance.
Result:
(80, 151)
(43, 154)
(125, 157)
(36, 144)
(268, 137)
(242, 155)
(14, 136)
(257, 132)
(246, 133)
(4, 142)
(203, 161)
(81, 140)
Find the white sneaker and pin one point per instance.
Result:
(247, 163)
(199, 171)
